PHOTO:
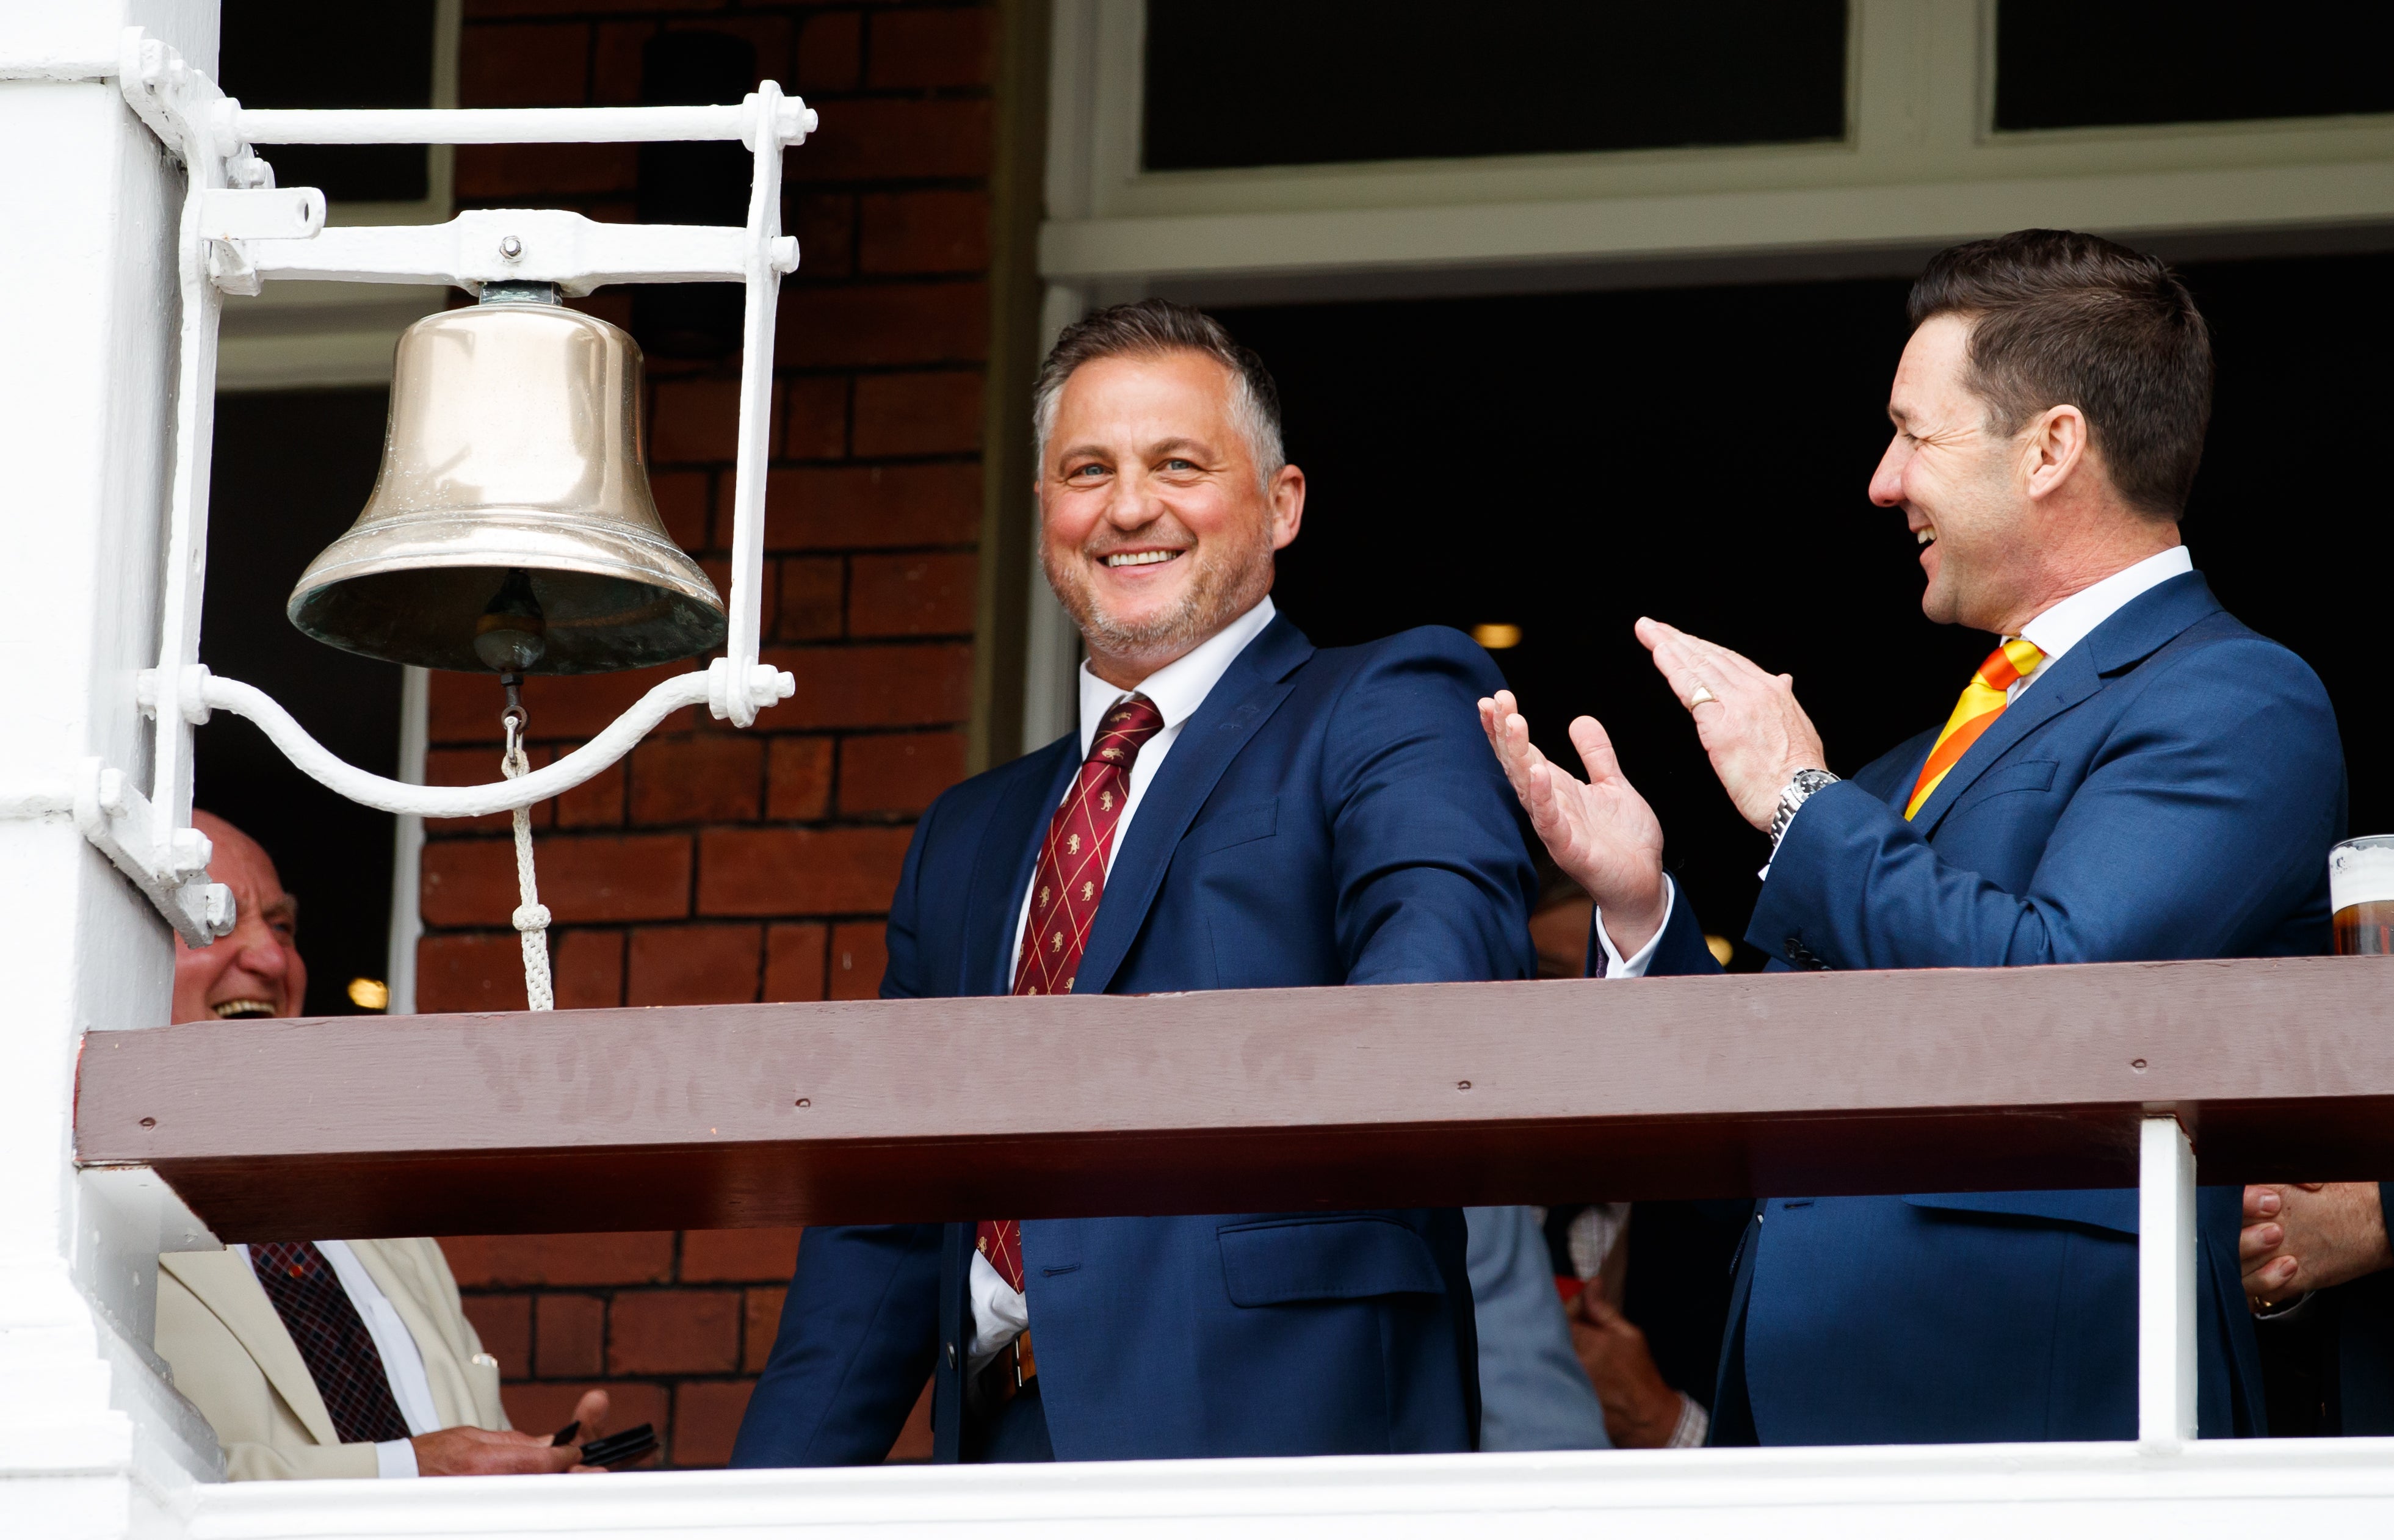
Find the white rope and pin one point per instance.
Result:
(531, 915)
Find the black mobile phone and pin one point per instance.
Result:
(632, 1443)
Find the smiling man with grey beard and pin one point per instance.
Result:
(1150, 566)
(1238, 809)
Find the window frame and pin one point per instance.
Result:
(298, 335)
(1921, 166)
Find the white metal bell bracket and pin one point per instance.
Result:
(239, 230)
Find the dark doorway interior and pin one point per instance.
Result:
(292, 470)
(1568, 463)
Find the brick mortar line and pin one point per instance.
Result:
(862, 819)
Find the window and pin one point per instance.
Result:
(304, 53)
(1248, 83)
(307, 53)
(2065, 64)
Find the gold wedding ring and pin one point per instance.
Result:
(1703, 695)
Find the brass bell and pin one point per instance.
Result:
(511, 528)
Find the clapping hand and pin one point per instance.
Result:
(1599, 831)
(1747, 719)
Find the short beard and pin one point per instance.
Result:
(1219, 591)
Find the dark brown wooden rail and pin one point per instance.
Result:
(731, 1116)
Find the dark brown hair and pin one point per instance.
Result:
(2059, 318)
(1149, 328)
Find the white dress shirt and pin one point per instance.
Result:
(999, 1311)
(2055, 631)
(402, 1361)
(2072, 621)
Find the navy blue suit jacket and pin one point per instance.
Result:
(1324, 817)
(2169, 789)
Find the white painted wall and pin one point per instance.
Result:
(91, 1440)
(2217, 1490)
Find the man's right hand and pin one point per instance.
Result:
(2300, 1236)
(1599, 831)
(481, 1452)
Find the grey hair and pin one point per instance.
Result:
(1149, 328)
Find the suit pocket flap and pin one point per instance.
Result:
(2100, 1208)
(2028, 775)
(1282, 1261)
(1237, 825)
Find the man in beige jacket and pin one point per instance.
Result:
(325, 1358)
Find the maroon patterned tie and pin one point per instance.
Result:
(332, 1337)
(1065, 892)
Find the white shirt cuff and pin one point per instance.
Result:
(1694, 1425)
(395, 1457)
(1634, 967)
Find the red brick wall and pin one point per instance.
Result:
(674, 1326)
(717, 865)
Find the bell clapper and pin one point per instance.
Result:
(530, 916)
(513, 631)
(512, 720)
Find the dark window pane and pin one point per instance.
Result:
(306, 53)
(2067, 64)
(1235, 82)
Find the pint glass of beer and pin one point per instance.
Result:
(2360, 891)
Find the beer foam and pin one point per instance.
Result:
(2360, 872)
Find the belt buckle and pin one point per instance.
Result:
(1004, 1376)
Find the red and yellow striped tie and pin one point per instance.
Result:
(1982, 701)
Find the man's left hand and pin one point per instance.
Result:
(2300, 1236)
(1751, 726)
(1642, 1411)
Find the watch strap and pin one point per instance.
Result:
(1799, 789)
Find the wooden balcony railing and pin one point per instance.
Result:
(733, 1116)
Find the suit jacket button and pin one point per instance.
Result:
(952, 1355)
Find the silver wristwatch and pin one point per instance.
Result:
(1800, 785)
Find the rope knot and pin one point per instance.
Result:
(531, 915)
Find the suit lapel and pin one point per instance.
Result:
(222, 1281)
(1253, 688)
(2130, 635)
(1002, 865)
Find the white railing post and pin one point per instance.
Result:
(2165, 1274)
(740, 698)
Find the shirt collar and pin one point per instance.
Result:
(1180, 686)
(2072, 621)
